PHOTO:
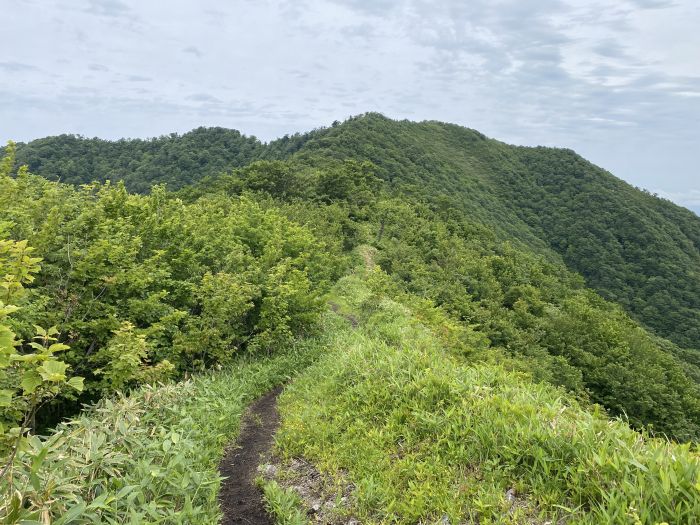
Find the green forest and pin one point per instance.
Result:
(519, 319)
(633, 248)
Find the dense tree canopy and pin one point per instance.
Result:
(505, 299)
(146, 287)
(175, 160)
(634, 248)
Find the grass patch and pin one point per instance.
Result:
(426, 435)
(283, 504)
(150, 457)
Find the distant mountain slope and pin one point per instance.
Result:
(176, 160)
(633, 248)
(449, 166)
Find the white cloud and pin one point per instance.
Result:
(617, 80)
(685, 198)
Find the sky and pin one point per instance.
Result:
(616, 80)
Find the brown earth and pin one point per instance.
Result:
(240, 499)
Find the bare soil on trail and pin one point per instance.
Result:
(240, 499)
(349, 317)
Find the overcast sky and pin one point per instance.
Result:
(616, 80)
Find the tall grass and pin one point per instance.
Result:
(150, 457)
(426, 436)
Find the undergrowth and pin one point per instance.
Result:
(283, 504)
(150, 457)
(431, 436)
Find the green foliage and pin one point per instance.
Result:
(124, 361)
(528, 305)
(353, 183)
(28, 377)
(632, 247)
(175, 160)
(635, 249)
(539, 313)
(426, 437)
(283, 504)
(8, 160)
(147, 287)
(150, 457)
(444, 402)
(224, 271)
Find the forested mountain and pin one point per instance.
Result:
(635, 249)
(472, 309)
(175, 160)
(638, 250)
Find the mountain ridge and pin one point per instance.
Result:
(618, 237)
(406, 281)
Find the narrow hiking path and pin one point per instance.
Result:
(240, 499)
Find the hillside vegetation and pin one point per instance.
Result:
(146, 288)
(150, 457)
(393, 411)
(425, 435)
(175, 160)
(524, 349)
(513, 299)
(633, 248)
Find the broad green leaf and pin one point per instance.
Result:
(4, 358)
(76, 383)
(27, 358)
(35, 481)
(6, 397)
(72, 514)
(125, 491)
(7, 337)
(57, 347)
(7, 309)
(30, 381)
(53, 370)
(39, 459)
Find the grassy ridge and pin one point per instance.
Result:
(423, 430)
(424, 435)
(150, 457)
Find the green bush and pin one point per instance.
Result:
(284, 504)
(144, 288)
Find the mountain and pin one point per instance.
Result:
(635, 249)
(466, 330)
(175, 160)
(638, 250)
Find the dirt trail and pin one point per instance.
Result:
(239, 497)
